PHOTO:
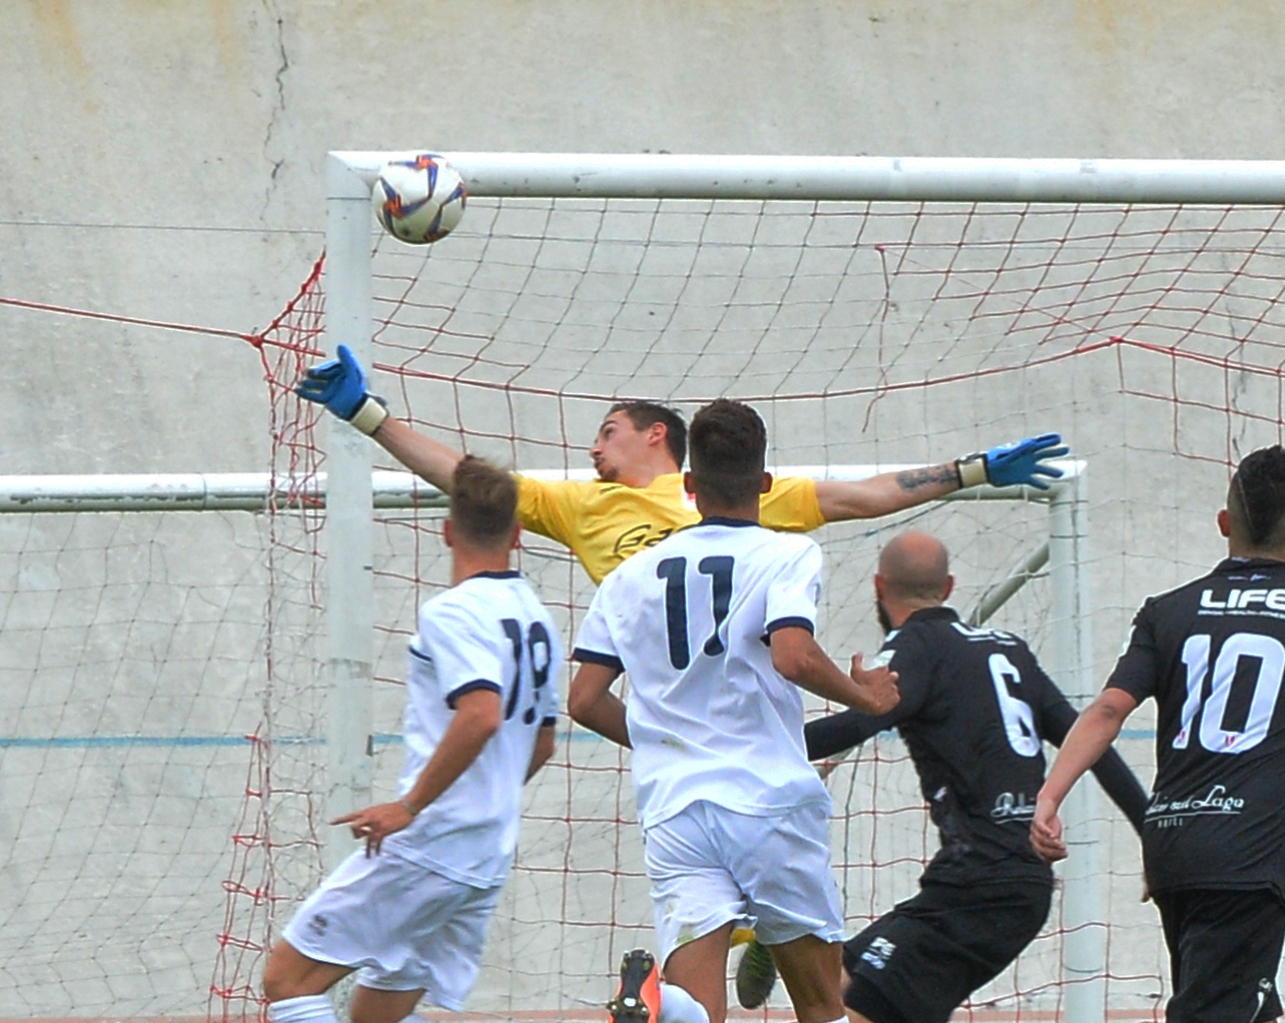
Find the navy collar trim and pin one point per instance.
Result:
(511, 573)
(725, 520)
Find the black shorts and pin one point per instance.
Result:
(1224, 950)
(918, 963)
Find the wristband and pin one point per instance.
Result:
(971, 470)
(370, 415)
(409, 808)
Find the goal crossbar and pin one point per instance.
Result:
(852, 178)
(251, 491)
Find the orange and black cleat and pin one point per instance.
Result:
(638, 1000)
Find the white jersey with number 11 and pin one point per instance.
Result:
(690, 621)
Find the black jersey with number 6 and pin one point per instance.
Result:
(975, 709)
(1212, 653)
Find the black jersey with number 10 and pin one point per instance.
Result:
(1212, 653)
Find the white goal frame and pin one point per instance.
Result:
(354, 491)
(351, 500)
(350, 176)
(350, 320)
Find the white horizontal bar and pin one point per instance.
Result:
(248, 491)
(855, 178)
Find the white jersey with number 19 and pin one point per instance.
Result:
(709, 716)
(488, 632)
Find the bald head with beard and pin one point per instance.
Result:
(914, 573)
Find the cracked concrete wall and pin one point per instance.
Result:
(163, 160)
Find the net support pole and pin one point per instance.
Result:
(349, 520)
(1084, 951)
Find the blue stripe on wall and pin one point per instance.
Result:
(381, 739)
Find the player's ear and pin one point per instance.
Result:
(688, 487)
(657, 433)
(950, 588)
(515, 537)
(1224, 523)
(767, 483)
(448, 532)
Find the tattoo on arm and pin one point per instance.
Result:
(932, 475)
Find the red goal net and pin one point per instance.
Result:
(164, 826)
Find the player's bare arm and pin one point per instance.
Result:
(886, 493)
(478, 716)
(1024, 463)
(425, 457)
(798, 657)
(1094, 730)
(544, 746)
(591, 703)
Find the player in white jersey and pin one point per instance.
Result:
(410, 910)
(715, 627)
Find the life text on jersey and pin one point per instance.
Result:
(1262, 602)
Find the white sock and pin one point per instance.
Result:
(305, 1009)
(678, 1006)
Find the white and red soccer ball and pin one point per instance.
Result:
(420, 199)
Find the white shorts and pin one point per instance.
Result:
(406, 927)
(709, 866)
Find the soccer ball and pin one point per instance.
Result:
(419, 200)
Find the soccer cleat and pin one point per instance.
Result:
(755, 976)
(638, 1000)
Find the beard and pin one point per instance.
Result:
(885, 622)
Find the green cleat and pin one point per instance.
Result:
(755, 976)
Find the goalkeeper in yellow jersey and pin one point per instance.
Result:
(638, 499)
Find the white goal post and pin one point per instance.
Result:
(348, 714)
(350, 176)
(191, 697)
(349, 179)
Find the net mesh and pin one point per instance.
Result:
(865, 334)
(1151, 337)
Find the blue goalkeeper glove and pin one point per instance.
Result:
(1012, 465)
(340, 385)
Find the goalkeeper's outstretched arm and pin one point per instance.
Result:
(340, 385)
(1025, 463)
(422, 455)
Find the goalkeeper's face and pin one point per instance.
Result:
(620, 450)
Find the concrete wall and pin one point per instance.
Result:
(163, 159)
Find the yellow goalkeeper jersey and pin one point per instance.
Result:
(604, 523)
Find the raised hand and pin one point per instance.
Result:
(1023, 462)
(340, 385)
(878, 686)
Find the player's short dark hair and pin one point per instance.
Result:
(484, 502)
(729, 445)
(1256, 499)
(648, 413)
